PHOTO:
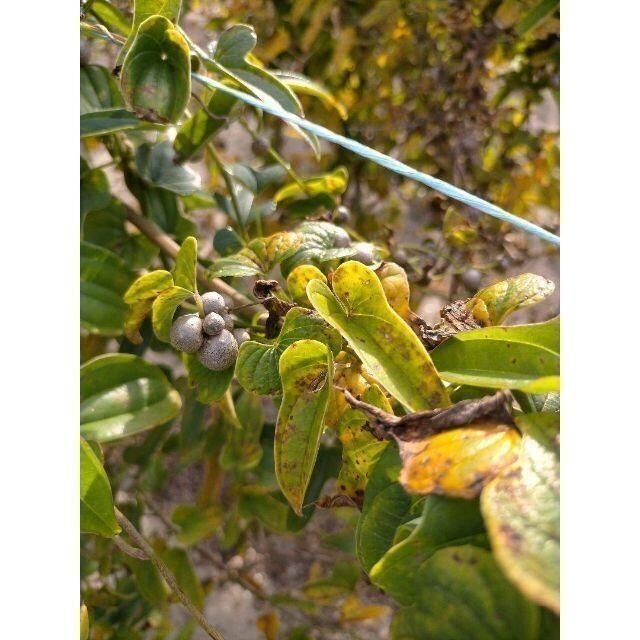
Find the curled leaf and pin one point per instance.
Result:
(495, 302)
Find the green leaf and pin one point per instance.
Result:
(387, 347)
(319, 239)
(462, 594)
(95, 192)
(301, 84)
(257, 363)
(155, 77)
(164, 308)
(98, 90)
(148, 581)
(196, 523)
(100, 123)
(243, 450)
(110, 17)
(386, 506)
(122, 394)
(195, 132)
(179, 564)
(156, 164)
(536, 15)
(148, 286)
(230, 55)
(104, 277)
(106, 228)
(210, 385)
(525, 357)
(96, 502)
(333, 184)
(503, 298)
(236, 266)
(444, 522)
(227, 241)
(144, 9)
(184, 271)
(522, 511)
(305, 370)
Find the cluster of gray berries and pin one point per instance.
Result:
(213, 337)
(364, 251)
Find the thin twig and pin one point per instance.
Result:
(137, 537)
(126, 548)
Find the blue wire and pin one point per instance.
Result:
(385, 161)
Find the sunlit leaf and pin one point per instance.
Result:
(503, 298)
(121, 394)
(462, 594)
(304, 368)
(144, 9)
(148, 286)
(333, 183)
(257, 364)
(395, 284)
(184, 271)
(110, 16)
(298, 279)
(522, 510)
(164, 308)
(360, 449)
(304, 85)
(155, 77)
(96, 502)
(389, 350)
(525, 357)
(459, 462)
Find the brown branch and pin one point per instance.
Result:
(170, 247)
(137, 537)
(420, 425)
(126, 548)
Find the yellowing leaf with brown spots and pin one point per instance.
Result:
(458, 463)
(388, 349)
(304, 368)
(269, 624)
(395, 283)
(521, 508)
(298, 280)
(495, 302)
(360, 449)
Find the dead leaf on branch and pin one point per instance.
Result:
(453, 451)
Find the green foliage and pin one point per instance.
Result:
(456, 519)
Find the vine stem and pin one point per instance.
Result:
(170, 247)
(139, 539)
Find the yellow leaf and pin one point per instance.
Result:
(395, 283)
(268, 623)
(458, 463)
(354, 610)
(298, 279)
